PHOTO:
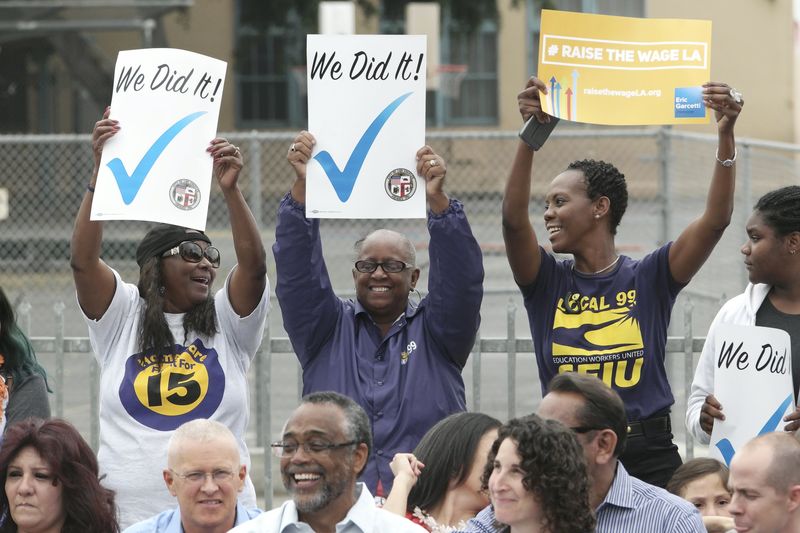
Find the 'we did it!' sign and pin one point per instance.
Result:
(156, 167)
(753, 383)
(366, 109)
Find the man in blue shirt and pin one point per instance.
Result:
(401, 361)
(596, 414)
(206, 475)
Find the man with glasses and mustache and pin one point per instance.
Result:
(206, 475)
(622, 503)
(325, 446)
(170, 348)
(401, 360)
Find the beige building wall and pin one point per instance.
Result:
(752, 48)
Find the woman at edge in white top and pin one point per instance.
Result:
(772, 298)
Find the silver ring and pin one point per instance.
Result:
(433, 162)
(736, 95)
(291, 148)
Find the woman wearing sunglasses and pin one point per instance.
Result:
(170, 349)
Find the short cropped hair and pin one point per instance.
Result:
(199, 430)
(604, 179)
(780, 209)
(783, 472)
(358, 427)
(693, 470)
(602, 408)
(409, 251)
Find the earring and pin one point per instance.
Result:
(411, 292)
(162, 290)
(596, 216)
(792, 252)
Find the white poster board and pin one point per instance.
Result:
(753, 383)
(156, 167)
(366, 109)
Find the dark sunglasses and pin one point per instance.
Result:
(390, 267)
(193, 253)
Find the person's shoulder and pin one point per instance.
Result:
(659, 500)
(386, 521)
(260, 522)
(154, 524)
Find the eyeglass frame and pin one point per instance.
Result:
(279, 448)
(228, 476)
(176, 250)
(382, 264)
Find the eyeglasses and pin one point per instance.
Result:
(193, 253)
(312, 447)
(219, 476)
(390, 267)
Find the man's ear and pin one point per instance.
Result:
(360, 457)
(606, 442)
(169, 479)
(242, 476)
(794, 498)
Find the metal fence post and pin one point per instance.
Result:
(745, 178)
(94, 403)
(58, 309)
(254, 171)
(476, 373)
(264, 409)
(688, 367)
(511, 344)
(664, 147)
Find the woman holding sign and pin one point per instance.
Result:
(169, 349)
(772, 299)
(603, 313)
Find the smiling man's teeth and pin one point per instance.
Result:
(306, 477)
(379, 289)
(553, 229)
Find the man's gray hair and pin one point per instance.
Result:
(199, 430)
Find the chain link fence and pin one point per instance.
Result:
(668, 173)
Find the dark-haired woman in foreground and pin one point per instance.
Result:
(50, 480)
(603, 313)
(772, 299)
(439, 485)
(536, 478)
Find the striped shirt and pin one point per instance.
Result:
(630, 506)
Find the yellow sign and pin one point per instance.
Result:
(624, 71)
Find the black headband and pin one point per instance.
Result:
(163, 237)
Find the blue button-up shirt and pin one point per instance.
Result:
(409, 379)
(631, 506)
(170, 521)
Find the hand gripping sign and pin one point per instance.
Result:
(753, 383)
(366, 109)
(156, 167)
(624, 71)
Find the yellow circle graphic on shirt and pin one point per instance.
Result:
(175, 389)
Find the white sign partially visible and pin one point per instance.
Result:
(156, 167)
(753, 383)
(366, 109)
(3, 203)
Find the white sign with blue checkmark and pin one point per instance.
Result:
(366, 109)
(753, 383)
(156, 167)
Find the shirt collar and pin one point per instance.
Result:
(410, 311)
(621, 492)
(361, 513)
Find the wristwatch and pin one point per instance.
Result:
(728, 163)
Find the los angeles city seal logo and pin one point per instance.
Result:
(400, 184)
(184, 194)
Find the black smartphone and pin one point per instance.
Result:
(534, 133)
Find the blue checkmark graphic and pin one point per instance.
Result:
(726, 448)
(343, 181)
(129, 185)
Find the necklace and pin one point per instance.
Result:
(433, 526)
(614, 262)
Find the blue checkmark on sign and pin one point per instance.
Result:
(344, 180)
(726, 448)
(129, 185)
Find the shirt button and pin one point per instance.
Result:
(379, 382)
(379, 452)
(379, 413)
